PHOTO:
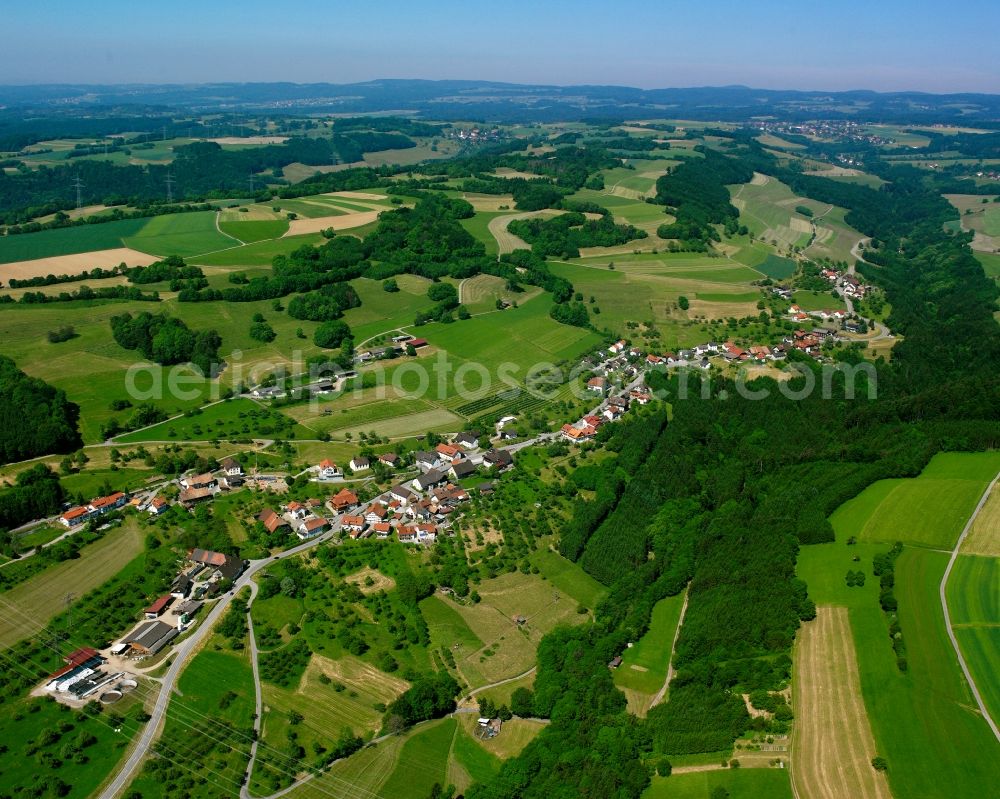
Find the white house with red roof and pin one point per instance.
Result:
(328, 470)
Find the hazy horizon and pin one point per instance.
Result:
(886, 47)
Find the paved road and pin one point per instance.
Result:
(258, 694)
(947, 615)
(183, 651)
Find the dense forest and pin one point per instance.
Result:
(35, 494)
(564, 235)
(167, 340)
(35, 418)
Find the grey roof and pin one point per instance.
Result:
(463, 468)
(498, 457)
(431, 478)
(152, 635)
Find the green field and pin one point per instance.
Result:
(212, 710)
(447, 627)
(568, 577)
(776, 267)
(478, 227)
(974, 605)
(67, 241)
(972, 591)
(922, 718)
(768, 210)
(180, 234)
(260, 253)
(469, 761)
(990, 262)
(646, 287)
(632, 210)
(383, 311)
(401, 766)
(506, 649)
(522, 336)
(817, 301)
(28, 721)
(325, 710)
(92, 368)
(238, 418)
(744, 783)
(43, 595)
(255, 230)
(929, 510)
(423, 760)
(644, 665)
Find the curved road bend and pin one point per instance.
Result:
(183, 651)
(947, 615)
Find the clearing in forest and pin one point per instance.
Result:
(833, 744)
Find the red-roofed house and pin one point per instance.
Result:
(110, 502)
(271, 520)
(342, 500)
(314, 525)
(328, 470)
(75, 516)
(157, 506)
(155, 610)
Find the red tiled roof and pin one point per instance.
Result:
(81, 655)
(158, 606)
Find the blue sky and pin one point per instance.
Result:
(876, 44)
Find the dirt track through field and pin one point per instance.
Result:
(833, 744)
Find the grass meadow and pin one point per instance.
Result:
(929, 510)
(43, 596)
(647, 288)
(237, 418)
(179, 234)
(974, 605)
(744, 783)
(486, 642)
(644, 665)
(767, 208)
(423, 760)
(568, 577)
(325, 710)
(249, 231)
(259, 253)
(216, 694)
(27, 720)
(68, 241)
(922, 719)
